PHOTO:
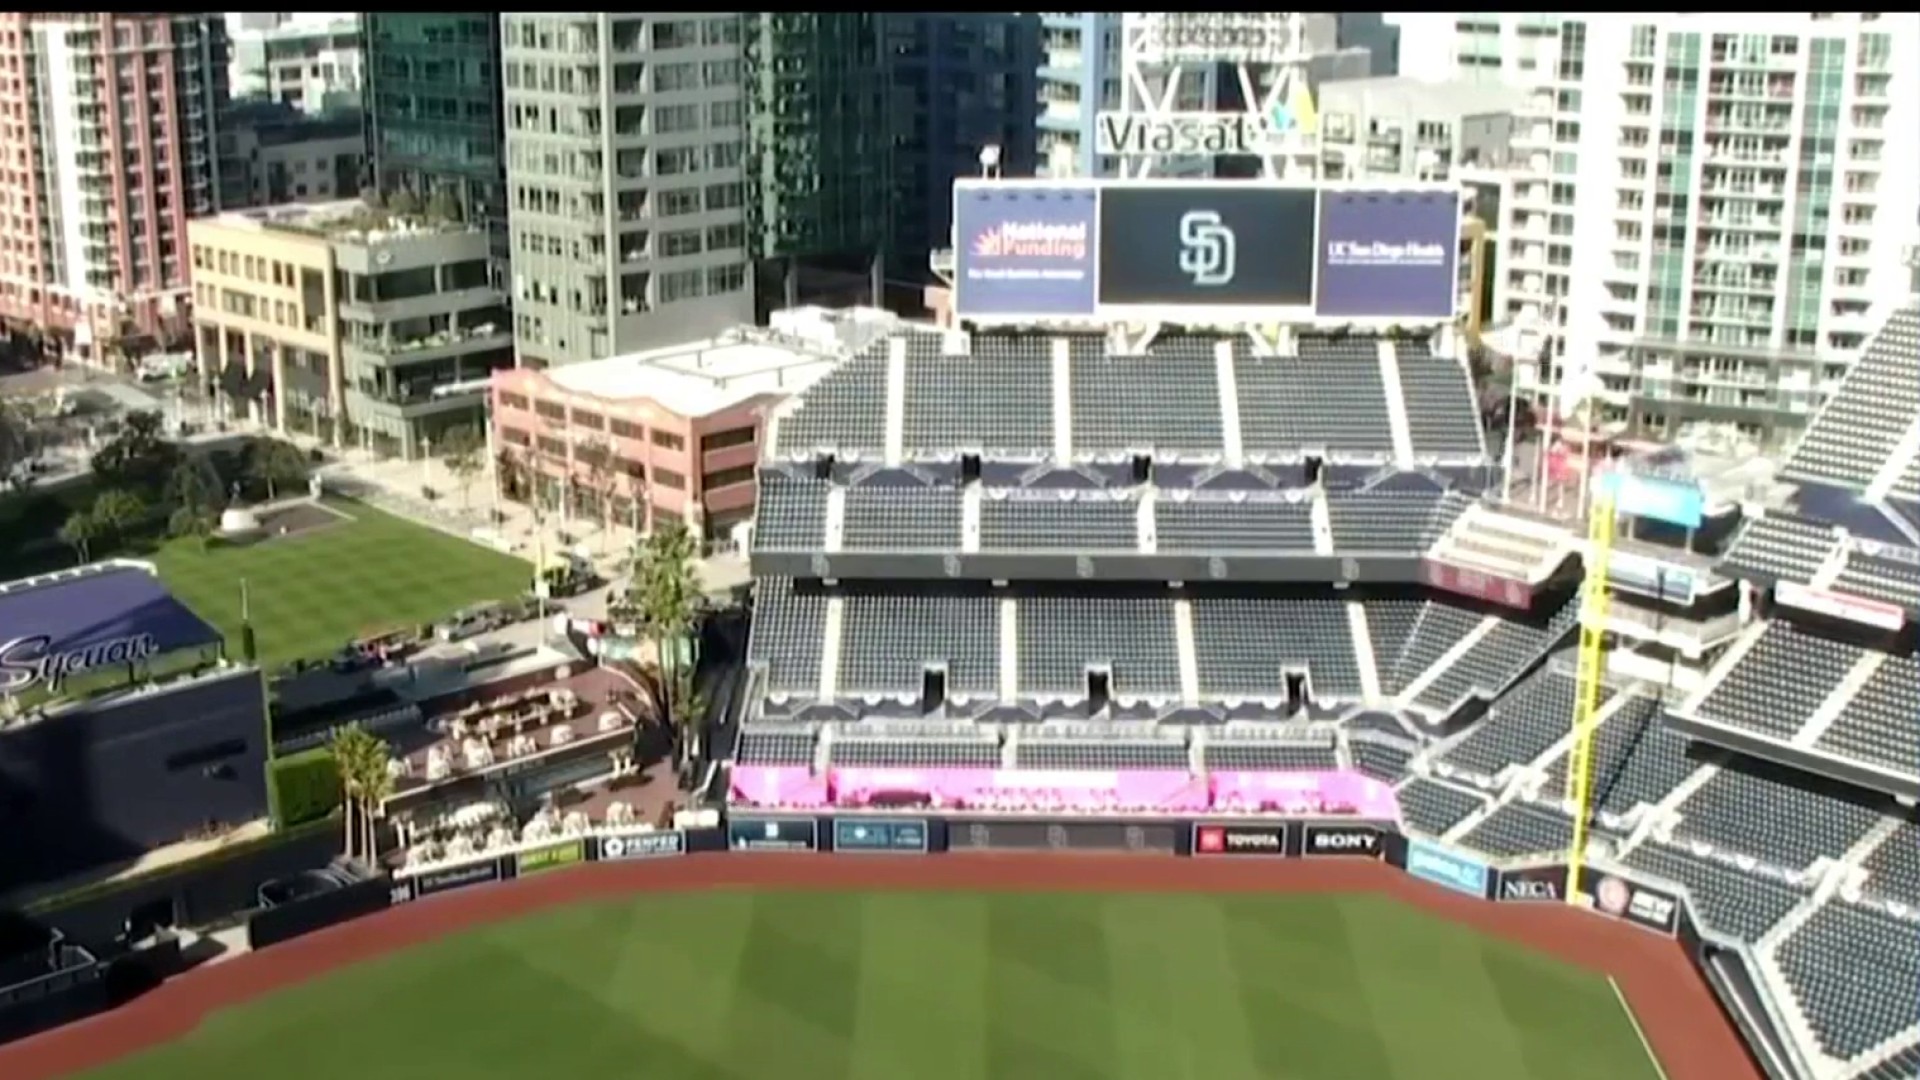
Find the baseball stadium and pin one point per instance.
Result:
(1148, 679)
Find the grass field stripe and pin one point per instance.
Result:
(1638, 1031)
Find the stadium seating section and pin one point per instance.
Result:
(1464, 708)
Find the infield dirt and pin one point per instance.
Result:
(1674, 1008)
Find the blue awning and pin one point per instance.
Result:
(120, 615)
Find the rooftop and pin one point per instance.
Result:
(1407, 94)
(704, 377)
(345, 220)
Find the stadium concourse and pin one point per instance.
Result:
(964, 555)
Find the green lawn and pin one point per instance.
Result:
(921, 986)
(313, 592)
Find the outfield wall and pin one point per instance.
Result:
(1656, 907)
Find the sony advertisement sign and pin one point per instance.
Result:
(1186, 134)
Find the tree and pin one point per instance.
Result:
(597, 456)
(79, 532)
(18, 444)
(463, 448)
(138, 458)
(444, 206)
(193, 485)
(362, 758)
(665, 594)
(509, 475)
(274, 464)
(116, 512)
(196, 522)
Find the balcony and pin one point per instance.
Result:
(441, 346)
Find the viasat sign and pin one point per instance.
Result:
(1024, 251)
(1387, 253)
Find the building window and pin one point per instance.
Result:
(681, 242)
(623, 429)
(552, 446)
(726, 279)
(513, 436)
(551, 410)
(513, 401)
(633, 468)
(667, 440)
(721, 478)
(589, 420)
(724, 440)
(667, 478)
(679, 285)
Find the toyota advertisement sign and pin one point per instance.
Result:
(1024, 251)
(1388, 254)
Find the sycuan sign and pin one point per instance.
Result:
(33, 661)
(96, 620)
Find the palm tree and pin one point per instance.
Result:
(362, 760)
(665, 593)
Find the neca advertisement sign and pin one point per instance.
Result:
(32, 661)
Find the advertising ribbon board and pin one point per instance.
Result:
(1353, 841)
(1613, 895)
(1441, 867)
(1024, 251)
(1493, 588)
(456, 877)
(541, 860)
(880, 836)
(1874, 613)
(1648, 577)
(641, 845)
(1532, 885)
(1239, 839)
(1005, 835)
(1388, 254)
(773, 834)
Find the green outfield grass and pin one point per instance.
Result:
(924, 986)
(312, 592)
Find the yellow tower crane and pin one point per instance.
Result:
(1596, 593)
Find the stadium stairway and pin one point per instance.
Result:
(1509, 545)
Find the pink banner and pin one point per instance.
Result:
(1073, 790)
(779, 786)
(1333, 792)
(1023, 789)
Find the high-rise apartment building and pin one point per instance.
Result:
(1079, 78)
(432, 98)
(315, 67)
(964, 82)
(625, 153)
(819, 150)
(1517, 47)
(106, 149)
(1712, 207)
